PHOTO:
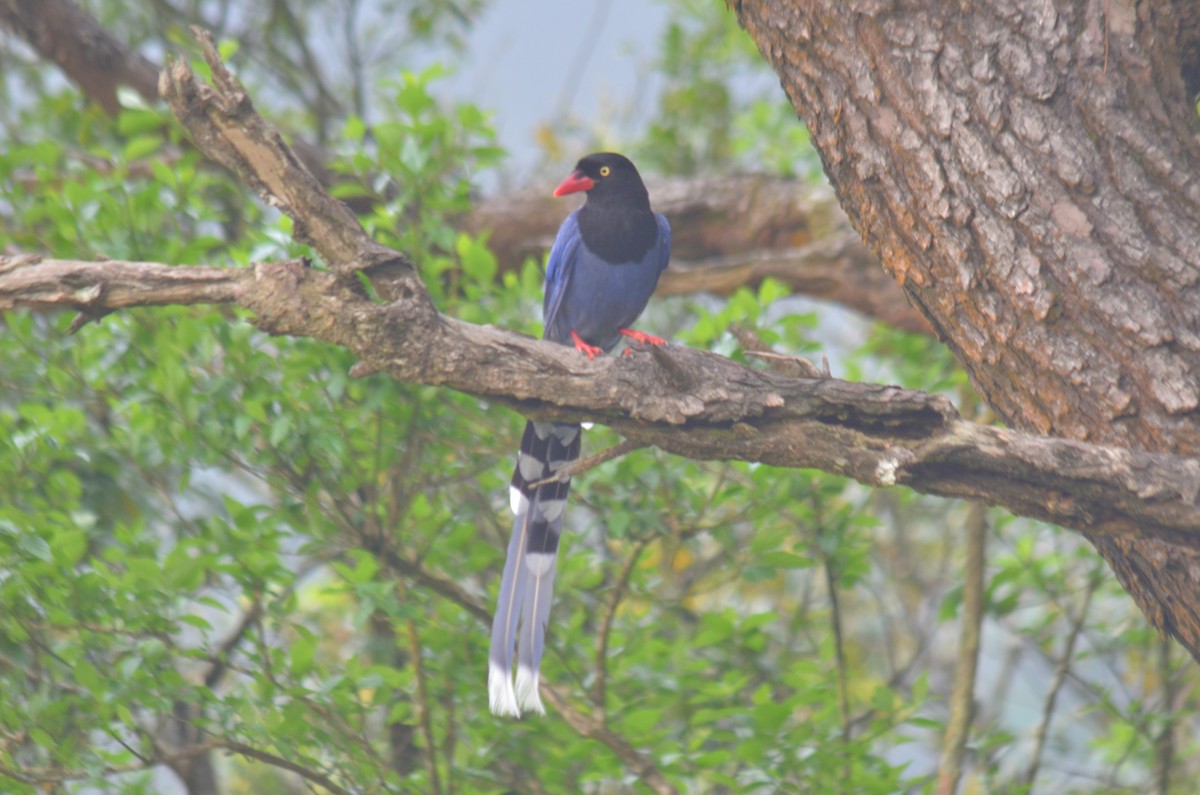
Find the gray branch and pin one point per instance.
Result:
(689, 402)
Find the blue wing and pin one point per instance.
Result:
(663, 249)
(587, 294)
(559, 267)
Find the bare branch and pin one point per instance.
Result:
(308, 774)
(795, 366)
(962, 699)
(1164, 740)
(599, 687)
(692, 403)
(112, 284)
(224, 125)
(1061, 669)
(52, 776)
(450, 589)
(581, 465)
(423, 705)
(95, 61)
(592, 728)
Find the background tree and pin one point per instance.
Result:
(229, 559)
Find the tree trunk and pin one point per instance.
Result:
(1026, 171)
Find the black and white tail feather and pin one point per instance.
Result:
(528, 582)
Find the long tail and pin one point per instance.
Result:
(528, 581)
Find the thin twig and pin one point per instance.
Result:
(591, 462)
(1060, 677)
(53, 775)
(313, 776)
(414, 646)
(962, 699)
(598, 689)
(793, 366)
(439, 584)
(1164, 743)
(220, 657)
(588, 726)
(839, 649)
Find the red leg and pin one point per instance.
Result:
(591, 350)
(642, 336)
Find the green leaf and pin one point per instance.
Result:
(281, 428)
(195, 621)
(355, 128)
(70, 546)
(639, 721)
(138, 122)
(303, 650)
(42, 738)
(35, 546)
(228, 48)
(141, 146)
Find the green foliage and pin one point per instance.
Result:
(721, 107)
(208, 529)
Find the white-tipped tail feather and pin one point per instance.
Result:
(501, 698)
(527, 691)
(527, 584)
(517, 501)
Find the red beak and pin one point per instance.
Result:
(573, 184)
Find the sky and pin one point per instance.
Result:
(537, 62)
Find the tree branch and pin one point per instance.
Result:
(590, 727)
(689, 402)
(962, 697)
(112, 284)
(95, 61)
(224, 125)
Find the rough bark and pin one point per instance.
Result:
(1025, 170)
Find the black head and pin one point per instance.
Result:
(608, 178)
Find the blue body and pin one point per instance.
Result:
(595, 296)
(592, 296)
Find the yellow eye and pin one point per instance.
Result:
(605, 171)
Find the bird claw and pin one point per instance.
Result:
(591, 350)
(642, 336)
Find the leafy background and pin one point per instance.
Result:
(213, 537)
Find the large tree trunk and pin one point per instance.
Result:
(1027, 171)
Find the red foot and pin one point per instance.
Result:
(642, 336)
(591, 350)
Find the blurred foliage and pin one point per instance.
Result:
(212, 536)
(720, 107)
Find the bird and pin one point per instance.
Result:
(602, 269)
